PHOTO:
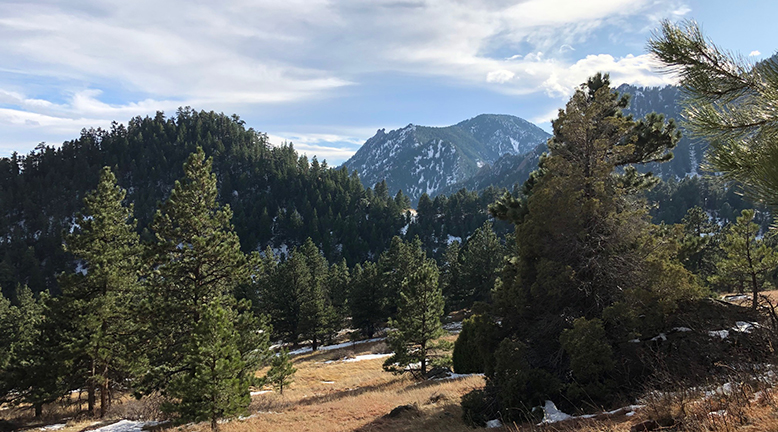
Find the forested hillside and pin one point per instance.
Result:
(278, 197)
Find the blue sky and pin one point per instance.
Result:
(326, 74)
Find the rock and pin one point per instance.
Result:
(403, 411)
(438, 372)
(645, 426)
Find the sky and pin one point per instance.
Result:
(326, 74)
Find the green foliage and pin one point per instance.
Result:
(281, 371)
(749, 261)
(728, 101)
(591, 358)
(366, 302)
(217, 385)
(205, 346)
(584, 246)
(520, 387)
(418, 319)
(475, 345)
(102, 299)
(297, 295)
(31, 369)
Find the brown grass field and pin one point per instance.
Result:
(329, 394)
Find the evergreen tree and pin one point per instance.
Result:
(281, 371)
(584, 242)
(418, 319)
(318, 318)
(395, 264)
(450, 276)
(749, 260)
(202, 336)
(100, 298)
(31, 371)
(481, 258)
(216, 385)
(366, 300)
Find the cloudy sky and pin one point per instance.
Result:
(325, 74)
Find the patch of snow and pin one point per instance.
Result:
(306, 350)
(630, 414)
(634, 341)
(745, 327)
(661, 336)
(491, 424)
(404, 230)
(682, 329)
(723, 334)
(257, 393)
(366, 357)
(57, 426)
(453, 327)
(328, 382)
(126, 426)
(552, 415)
(452, 239)
(736, 297)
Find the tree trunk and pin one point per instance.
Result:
(214, 425)
(90, 399)
(314, 344)
(755, 286)
(103, 397)
(38, 410)
(424, 360)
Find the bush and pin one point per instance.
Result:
(474, 347)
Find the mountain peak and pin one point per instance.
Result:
(423, 159)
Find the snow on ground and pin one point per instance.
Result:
(257, 393)
(452, 239)
(57, 426)
(719, 333)
(306, 350)
(126, 426)
(453, 327)
(552, 415)
(736, 297)
(366, 357)
(493, 424)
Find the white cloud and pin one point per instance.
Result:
(84, 56)
(754, 53)
(499, 76)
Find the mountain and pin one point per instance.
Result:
(688, 154)
(506, 172)
(421, 159)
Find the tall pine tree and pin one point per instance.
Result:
(100, 297)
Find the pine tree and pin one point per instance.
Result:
(318, 318)
(101, 297)
(418, 319)
(585, 243)
(31, 371)
(281, 371)
(366, 302)
(481, 257)
(202, 336)
(749, 260)
(450, 283)
(729, 102)
(216, 385)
